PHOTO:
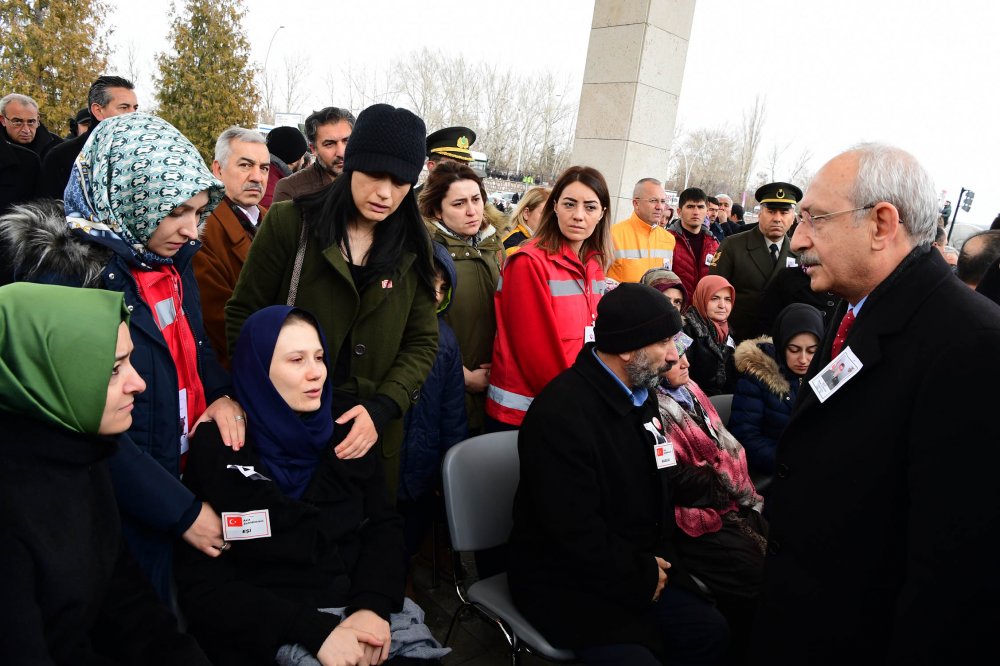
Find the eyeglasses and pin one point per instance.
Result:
(20, 122)
(811, 219)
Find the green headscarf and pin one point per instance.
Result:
(57, 350)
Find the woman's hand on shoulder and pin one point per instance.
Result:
(342, 648)
(205, 533)
(230, 418)
(368, 623)
(360, 438)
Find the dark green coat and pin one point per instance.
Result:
(391, 327)
(472, 315)
(745, 261)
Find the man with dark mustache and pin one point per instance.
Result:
(242, 162)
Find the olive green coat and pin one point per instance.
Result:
(472, 315)
(391, 327)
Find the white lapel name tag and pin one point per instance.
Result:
(247, 525)
(790, 262)
(834, 376)
(588, 334)
(663, 449)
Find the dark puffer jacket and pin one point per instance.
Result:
(762, 401)
(437, 421)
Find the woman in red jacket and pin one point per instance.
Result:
(546, 302)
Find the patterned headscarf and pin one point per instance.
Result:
(133, 170)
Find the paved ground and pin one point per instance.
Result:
(473, 642)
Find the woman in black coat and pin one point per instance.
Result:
(72, 594)
(305, 529)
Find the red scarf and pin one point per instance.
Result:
(161, 290)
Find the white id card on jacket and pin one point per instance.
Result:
(246, 525)
(834, 376)
(663, 449)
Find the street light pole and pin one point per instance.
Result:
(269, 44)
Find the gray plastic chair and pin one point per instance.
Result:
(480, 477)
(723, 404)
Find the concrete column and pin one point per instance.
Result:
(628, 106)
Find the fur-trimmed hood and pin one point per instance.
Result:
(756, 358)
(40, 244)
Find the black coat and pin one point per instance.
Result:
(791, 285)
(58, 165)
(340, 545)
(18, 182)
(590, 513)
(711, 359)
(884, 510)
(72, 594)
(43, 142)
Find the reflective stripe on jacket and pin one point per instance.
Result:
(544, 304)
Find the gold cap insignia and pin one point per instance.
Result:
(780, 194)
(463, 142)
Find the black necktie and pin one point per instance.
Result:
(774, 252)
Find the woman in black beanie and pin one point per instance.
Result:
(358, 257)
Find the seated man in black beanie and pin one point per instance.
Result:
(593, 562)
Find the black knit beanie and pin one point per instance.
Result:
(387, 140)
(632, 316)
(287, 144)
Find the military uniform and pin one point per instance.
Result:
(746, 261)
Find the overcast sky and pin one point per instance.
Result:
(921, 74)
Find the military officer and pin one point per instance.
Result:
(751, 260)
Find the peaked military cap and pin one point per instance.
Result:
(451, 142)
(778, 195)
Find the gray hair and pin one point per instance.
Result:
(722, 196)
(641, 182)
(14, 97)
(890, 174)
(223, 147)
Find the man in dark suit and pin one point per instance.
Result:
(751, 260)
(108, 96)
(883, 511)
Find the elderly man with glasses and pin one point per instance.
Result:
(641, 243)
(883, 510)
(19, 118)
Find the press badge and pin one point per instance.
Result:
(708, 259)
(833, 377)
(663, 450)
(790, 262)
(248, 525)
(588, 333)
